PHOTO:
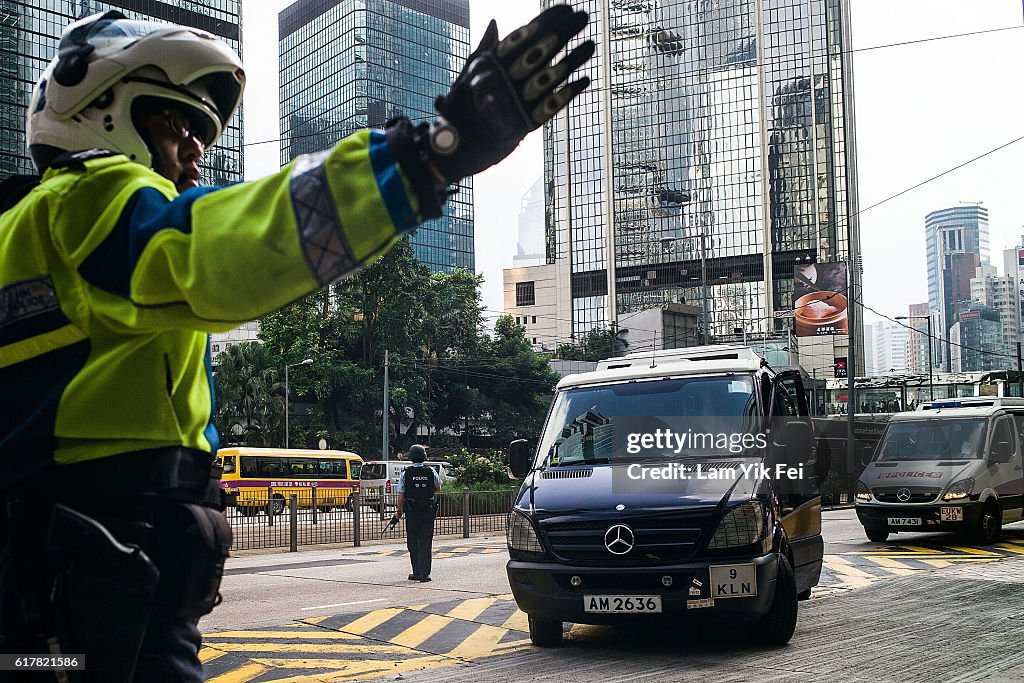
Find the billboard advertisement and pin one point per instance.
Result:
(819, 299)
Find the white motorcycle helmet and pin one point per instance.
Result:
(109, 70)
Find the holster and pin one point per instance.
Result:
(190, 547)
(103, 594)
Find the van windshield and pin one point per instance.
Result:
(936, 439)
(590, 424)
(373, 470)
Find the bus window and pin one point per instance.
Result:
(331, 468)
(228, 463)
(271, 467)
(301, 467)
(248, 466)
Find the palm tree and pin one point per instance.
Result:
(246, 388)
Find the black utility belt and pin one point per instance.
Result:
(180, 470)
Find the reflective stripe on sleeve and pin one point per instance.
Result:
(324, 245)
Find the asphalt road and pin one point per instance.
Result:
(921, 607)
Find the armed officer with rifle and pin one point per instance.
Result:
(115, 265)
(416, 488)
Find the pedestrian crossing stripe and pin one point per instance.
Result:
(442, 553)
(391, 641)
(384, 642)
(857, 569)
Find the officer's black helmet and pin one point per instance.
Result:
(417, 453)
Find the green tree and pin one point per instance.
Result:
(517, 402)
(250, 403)
(594, 346)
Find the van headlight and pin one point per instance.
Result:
(743, 525)
(521, 535)
(959, 490)
(863, 492)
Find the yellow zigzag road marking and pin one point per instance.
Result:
(310, 647)
(480, 643)
(853, 577)
(313, 634)
(893, 566)
(471, 609)
(372, 620)
(517, 622)
(244, 673)
(419, 632)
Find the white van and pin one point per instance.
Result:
(951, 465)
(378, 476)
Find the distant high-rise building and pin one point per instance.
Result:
(351, 64)
(999, 292)
(713, 153)
(917, 339)
(977, 330)
(530, 241)
(956, 242)
(890, 348)
(1013, 262)
(30, 33)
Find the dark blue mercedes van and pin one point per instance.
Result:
(678, 486)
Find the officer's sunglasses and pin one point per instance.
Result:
(181, 126)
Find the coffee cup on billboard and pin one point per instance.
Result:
(821, 313)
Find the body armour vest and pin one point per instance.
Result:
(419, 483)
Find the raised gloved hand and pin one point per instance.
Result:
(506, 89)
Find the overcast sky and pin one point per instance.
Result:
(922, 109)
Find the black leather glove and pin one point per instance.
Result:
(506, 89)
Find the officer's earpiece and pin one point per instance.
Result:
(72, 64)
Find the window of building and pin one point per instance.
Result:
(525, 295)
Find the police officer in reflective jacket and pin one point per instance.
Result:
(416, 488)
(116, 264)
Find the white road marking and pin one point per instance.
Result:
(342, 604)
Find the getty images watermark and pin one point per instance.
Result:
(686, 454)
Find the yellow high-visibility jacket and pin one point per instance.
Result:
(110, 282)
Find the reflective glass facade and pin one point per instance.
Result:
(714, 149)
(352, 64)
(30, 32)
(957, 242)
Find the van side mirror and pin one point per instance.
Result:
(795, 437)
(519, 458)
(1001, 452)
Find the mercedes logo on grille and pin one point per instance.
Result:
(619, 539)
(903, 495)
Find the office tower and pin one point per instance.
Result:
(917, 339)
(1000, 293)
(1013, 262)
(352, 64)
(889, 347)
(30, 32)
(975, 339)
(713, 153)
(956, 242)
(530, 239)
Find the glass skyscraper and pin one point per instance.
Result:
(30, 32)
(713, 152)
(957, 243)
(352, 64)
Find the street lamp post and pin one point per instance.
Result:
(928, 319)
(308, 361)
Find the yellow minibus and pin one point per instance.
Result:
(252, 477)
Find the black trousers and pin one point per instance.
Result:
(419, 534)
(147, 517)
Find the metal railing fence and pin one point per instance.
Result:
(277, 519)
